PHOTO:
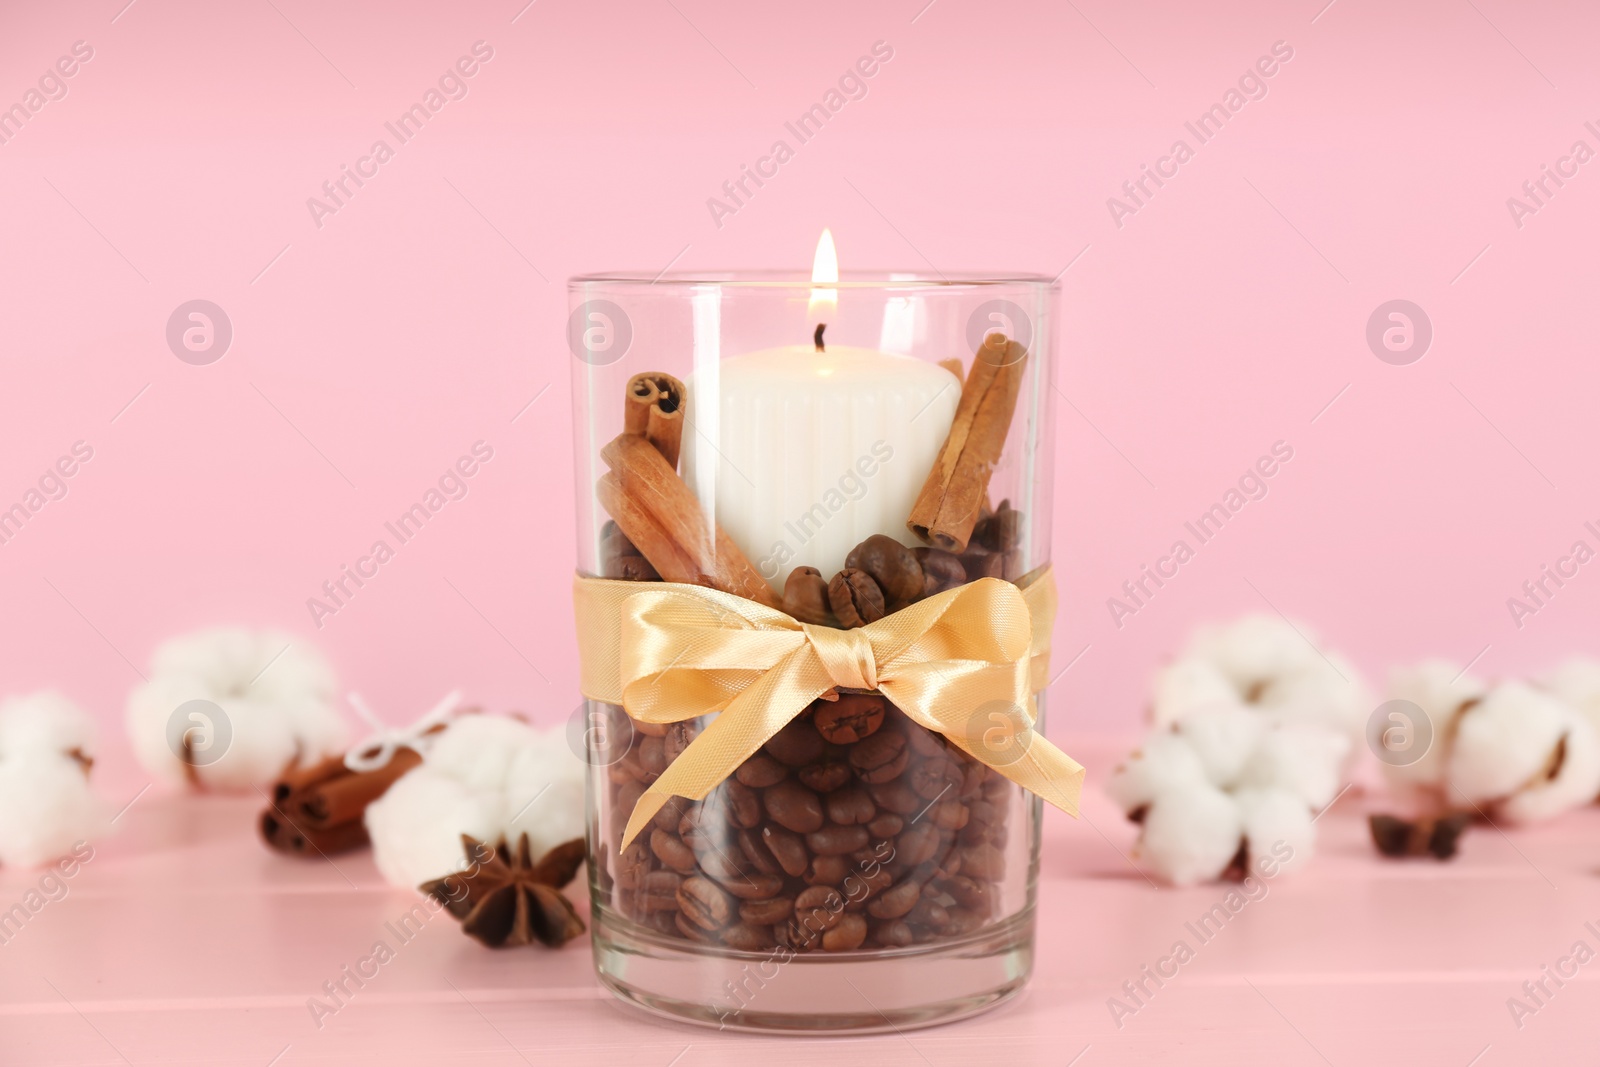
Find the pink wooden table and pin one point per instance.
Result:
(185, 941)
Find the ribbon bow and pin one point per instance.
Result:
(964, 663)
(380, 747)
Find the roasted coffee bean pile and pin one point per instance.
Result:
(880, 575)
(853, 827)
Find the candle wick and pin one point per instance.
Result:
(817, 337)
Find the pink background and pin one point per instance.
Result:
(1225, 315)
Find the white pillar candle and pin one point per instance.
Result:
(813, 452)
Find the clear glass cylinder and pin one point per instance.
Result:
(859, 873)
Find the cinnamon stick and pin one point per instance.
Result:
(654, 409)
(319, 809)
(957, 488)
(654, 543)
(644, 483)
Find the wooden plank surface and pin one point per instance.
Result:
(183, 941)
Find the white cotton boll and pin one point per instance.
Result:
(1190, 834)
(1576, 782)
(44, 722)
(1185, 685)
(1162, 761)
(1254, 649)
(1322, 692)
(1223, 738)
(276, 701)
(1441, 690)
(488, 776)
(545, 794)
(479, 749)
(416, 826)
(46, 808)
(1577, 681)
(1506, 740)
(1279, 827)
(1304, 760)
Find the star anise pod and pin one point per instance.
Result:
(503, 898)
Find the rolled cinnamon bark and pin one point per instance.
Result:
(654, 409)
(644, 482)
(957, 488)
(654, 543)
(320, 808)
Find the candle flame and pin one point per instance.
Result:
(824, 268)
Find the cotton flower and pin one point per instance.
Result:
(46, 805)
(1190, 834)
(1577, 681)
(487, 776)
(1227, 780)
(1265, 663)
(1442, 691)
(243, 705)
(1526, 753)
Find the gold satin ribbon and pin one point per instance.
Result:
(964, 663)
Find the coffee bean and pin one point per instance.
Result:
(892, 933)
(754, 886)
(671, 814)
(969, 893)
(856, 598)
(760, 771)
(628, 794)
(940, 570)
(983, 861)
(981, 563)
(885, 826)
(704, 903)
(788, 849)
(819, 908)
(659, 891)
(827, 870)
(805, 596)
(895, 901)
(671, 851)
(793, 806)
(633, 864)
(850, 807)
(891, 565)
(836, 840)
(918, 843)
(948, 815)
(747, 938)
(850, 718)
(756, 852)
(849, 934)
(632, 569)
(881, 757)
(687, 927)
(766, 912)
(743, 803)
(926, 743)
(826, 777)
(1000, 532)
(704, 827)
(797, 744)
(678, 737)
(626, 769)
(963, 922)
(896, 797)
(927, 913)
(649, 729)
(652, 756)
(934, 778)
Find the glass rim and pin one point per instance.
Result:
(801, 280)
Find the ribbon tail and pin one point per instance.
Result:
(1042, 769)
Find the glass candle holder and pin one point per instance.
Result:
(859, 872)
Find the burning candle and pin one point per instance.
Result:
(820, 445)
